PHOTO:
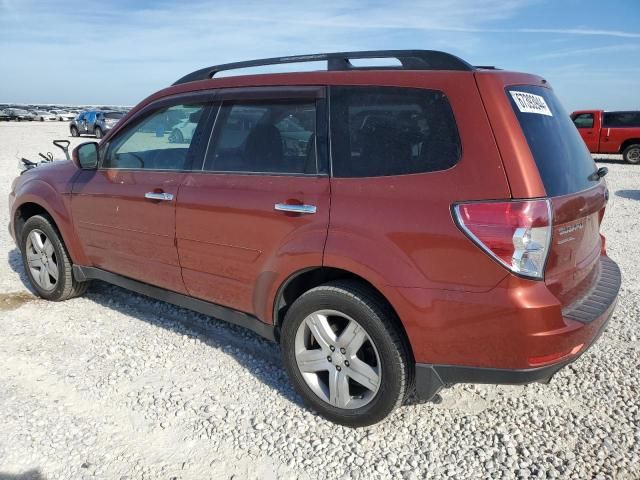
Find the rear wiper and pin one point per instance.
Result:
(598, 174)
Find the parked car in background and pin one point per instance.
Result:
(19, 114)
(63, 115)
(43, 115)
(182, 132)
(438, 224)
(610, 132)
(94, 122)
(5, 116)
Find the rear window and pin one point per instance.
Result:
(114, 115)
(564, 163)
(383, 131)
(621, 119)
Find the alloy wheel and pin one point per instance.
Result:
(338, 359)
(42, 261)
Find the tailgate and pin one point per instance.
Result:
(573, 264)
(575, 268)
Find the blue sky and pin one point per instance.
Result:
(117, 52)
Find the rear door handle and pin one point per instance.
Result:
(286, 207)
(158, 196)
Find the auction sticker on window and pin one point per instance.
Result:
(530, 103)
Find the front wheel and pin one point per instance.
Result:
(46, 261)
(75, 132)
(344, 354)
(176, 136)
(631, 154)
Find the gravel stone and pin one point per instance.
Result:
(116, 385)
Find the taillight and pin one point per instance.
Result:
(515, 233)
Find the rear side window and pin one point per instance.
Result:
(564, 163)
(114, 115)
(583, 120)
(621, 119)
(384, 131)
(264, 137)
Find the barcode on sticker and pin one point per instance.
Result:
(530, 103)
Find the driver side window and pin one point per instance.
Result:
(584, 120)
(160, 141)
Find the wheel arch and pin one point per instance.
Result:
(23, 213)
(32, 204)
(306, 279)
(628, 142)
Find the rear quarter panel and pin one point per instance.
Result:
(520, 167)
(399, 231)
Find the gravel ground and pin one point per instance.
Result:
(115, 385)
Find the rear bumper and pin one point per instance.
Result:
(586, 321)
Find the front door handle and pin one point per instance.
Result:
(158, 196)
(287, 207)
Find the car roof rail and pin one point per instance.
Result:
(340, 61)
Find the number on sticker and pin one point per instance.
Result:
(530, 103)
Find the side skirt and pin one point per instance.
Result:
(228, 315)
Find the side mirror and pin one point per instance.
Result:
(85, 156)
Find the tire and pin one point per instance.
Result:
(74, 132)
(176, 136)
(631, 154)
(48, 285)
(98, 132)
(346, 306)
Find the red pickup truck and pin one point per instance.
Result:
(610, 132)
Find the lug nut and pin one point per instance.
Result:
(338, 368)
(346, 363)
(332, 348)
(329, 359)
(342, 350)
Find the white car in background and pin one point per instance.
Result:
(42, 115)
(63, 115)
(182, 132)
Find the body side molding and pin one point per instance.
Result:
(228, 315)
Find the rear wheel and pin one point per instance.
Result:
(98, 132)
(46, 261)
(343, 354)
(74, 132)
(631, 154)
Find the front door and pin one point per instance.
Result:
(259, 208)
(125, 210)
(585, 124)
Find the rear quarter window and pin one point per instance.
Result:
(564, 163)
(385, 131)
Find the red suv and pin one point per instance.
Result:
(396, 229)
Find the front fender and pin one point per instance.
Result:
(58, 206)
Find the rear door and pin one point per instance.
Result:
(125, 210)
(578, 197)
(257, 209)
